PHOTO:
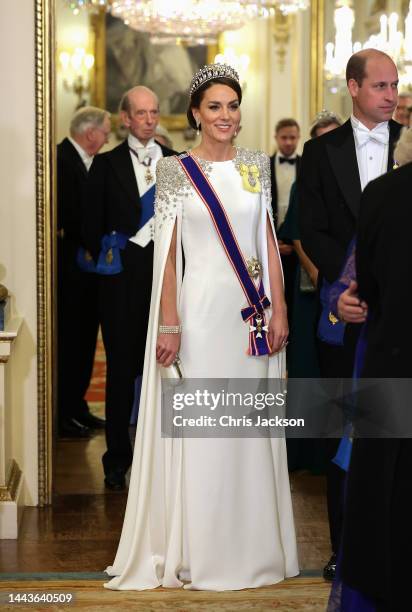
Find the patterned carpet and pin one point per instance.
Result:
(95, 395)
(306, 594)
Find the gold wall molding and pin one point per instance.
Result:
(9, 491)
(316, 54)
(45, 236)
(282, 25)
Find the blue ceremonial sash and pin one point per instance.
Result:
(109, 261)
(254, 314)
(330, 329)
(147, 203)
(85, 261)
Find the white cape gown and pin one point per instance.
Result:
(214, 512)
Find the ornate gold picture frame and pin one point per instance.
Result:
(45, 237)
(106, 91)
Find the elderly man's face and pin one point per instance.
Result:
(143, 117)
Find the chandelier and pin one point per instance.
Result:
(92, 6)
(266, 8)
(390, 40)
(188, 21)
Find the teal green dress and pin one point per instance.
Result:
(303, 453)
(302, 357)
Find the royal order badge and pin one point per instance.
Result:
(250, 178)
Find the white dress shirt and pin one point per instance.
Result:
(152, 150)
(85, 157)
(372, 147)
(285, 177)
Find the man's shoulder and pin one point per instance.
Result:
(395, 128)
(394, 179)
(333, 137)
(166, 152)
(117, 151)
(66, 151)
(104, 160)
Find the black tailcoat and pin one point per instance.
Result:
(113, 204)
(289, 262)
(329, 192)
(77, 304)
(377, 525)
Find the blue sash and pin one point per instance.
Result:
(109, 261)
(147, 202)
(85, 261)
(254, 313)
(330, 328)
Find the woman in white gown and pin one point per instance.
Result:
(213, 513)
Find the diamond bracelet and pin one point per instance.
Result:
(170, 329)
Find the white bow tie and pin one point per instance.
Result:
(363, 135)
(145, 152)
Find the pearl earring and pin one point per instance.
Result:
(198, 128)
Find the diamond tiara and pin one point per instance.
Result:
(212, 71)
(325, 114)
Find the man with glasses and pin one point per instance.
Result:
(77, 283)
(119, 233)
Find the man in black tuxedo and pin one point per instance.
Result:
(284, 167)
(77, 307)
(377, 520)
(334, 170)
(121, 197)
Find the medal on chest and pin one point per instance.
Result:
(250, 178)
(148, 176)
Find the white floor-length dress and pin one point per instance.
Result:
(214, 512)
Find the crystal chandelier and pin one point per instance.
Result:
(92, 6)
(189, 21)
(338, 53)
(239, 62)
(266, 8)
(390, 40)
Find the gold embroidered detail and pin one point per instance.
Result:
(333, 319)
(109, 256)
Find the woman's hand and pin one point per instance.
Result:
(167, 348)
(284, 248)
(278, 330)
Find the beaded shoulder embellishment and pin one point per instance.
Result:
(172, 184)
(249, 158)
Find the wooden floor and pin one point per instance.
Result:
(80, 532)
(303, 594)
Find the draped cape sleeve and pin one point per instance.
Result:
(143, 541)
(154, 506)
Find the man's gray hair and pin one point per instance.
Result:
(403, 150)
(86, 117)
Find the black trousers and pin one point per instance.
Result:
(77, 328)
(289, 265)
(336, 362)
(124, 308)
